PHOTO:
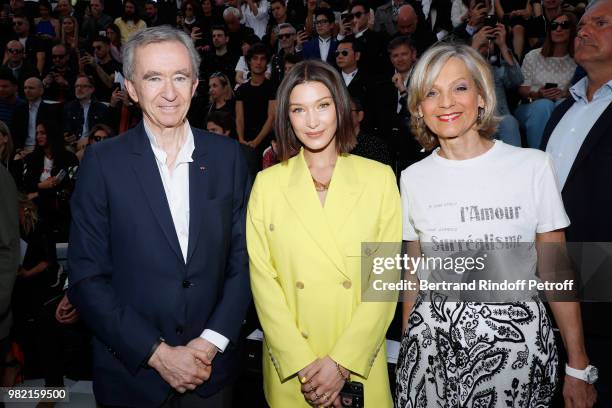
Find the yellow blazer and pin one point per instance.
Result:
(306, 275)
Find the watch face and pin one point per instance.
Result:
(592, 375)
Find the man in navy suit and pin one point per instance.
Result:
(323, 46)
(157, 258)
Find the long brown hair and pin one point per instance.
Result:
(313, 71)
(548, 46)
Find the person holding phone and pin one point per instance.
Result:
(306, 221)
(548, 72)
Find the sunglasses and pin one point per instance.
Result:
(357, 15)
(58, 56)
(344, 53)
(284, 36)
(565, 25)
(14, 50)
(17, 23)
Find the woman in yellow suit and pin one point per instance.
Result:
(307, 219)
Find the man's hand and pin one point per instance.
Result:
(70, 138)
(482, 37)
(398, 81)
(65, 312)
(323, 387)
(477, 14)
(551, 93)
(206, 346)
(500, 35)
(578, 394)
(181, 367)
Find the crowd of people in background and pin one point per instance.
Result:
(62, 90)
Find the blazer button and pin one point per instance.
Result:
(299, 285)
(271, 227)
(347, 284)
(187, 284)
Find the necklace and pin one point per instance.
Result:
(320, 186)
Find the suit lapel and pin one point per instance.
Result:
(147, 172)
(599, 129)
(303, 199)
(343, 195)
(198, 192)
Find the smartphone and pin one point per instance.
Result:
(491, 20)
(116, 85)
(60, 175)
(345, 17)
(300, 27)
(351, 394)
(550, 85)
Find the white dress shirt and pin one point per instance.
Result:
(349, 77)
(176, 187)
(324, 44)
(85, 128)
(31, 138)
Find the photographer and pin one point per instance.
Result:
(60, 77)
(491, 43)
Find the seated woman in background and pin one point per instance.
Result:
(548, 72)
(7, 156)
(47, 26)
(307, 219)
(472, 352)
(515, 14)
(49, 179)
(97, 133)
(221, 94)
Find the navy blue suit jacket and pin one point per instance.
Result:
(310, 50)
(128, 278)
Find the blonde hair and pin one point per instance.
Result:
(427, 70)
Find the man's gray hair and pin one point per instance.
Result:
(153, 35)
(232, 10)
(282, 26)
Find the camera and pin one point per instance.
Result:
(491, 20)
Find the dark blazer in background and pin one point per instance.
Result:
(9, 247)
(127, 275)
(47, 112)
(311, 50)
(587, 197)
(73, 116)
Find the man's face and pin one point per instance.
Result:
(129, 9)
(279, 11)
(233, 24)
(7, 89)
(551, 4)
(59, 56)
(100, 49)
(258, 63)
(33, 89)
(323, 26)
(346, 58)
(150, 11)
(83, 89)
(360, 18)
(96, 7)
(214, 128)
(407, 21)
(15, 52)
(163, 84)
(20, 26)
(286, 36)
(593, 43)
(63, 7)
(402, 58)
(219, 39)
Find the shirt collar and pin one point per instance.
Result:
(35, 104)
(359, 34)
(350, 74)
(184, 155)
(579, 90)
(324, 40)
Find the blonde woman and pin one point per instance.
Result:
(467, 353)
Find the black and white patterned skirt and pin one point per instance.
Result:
(476, 355)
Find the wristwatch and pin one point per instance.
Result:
(588, 375)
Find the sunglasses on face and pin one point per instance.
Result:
(356, 15)
(58, 56)
(14, 50)
(565, 25)
(344, 53)
(18, 23)
(284, 36)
